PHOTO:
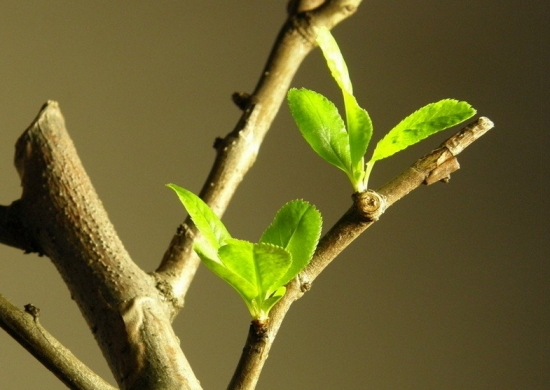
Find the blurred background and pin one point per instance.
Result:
(449, 290)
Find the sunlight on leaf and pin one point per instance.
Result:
(258, 272)
(322, 126)
(213, 231)
(334, 58)
(296, 228)
(424, 122)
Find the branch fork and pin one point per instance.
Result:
(129, 311)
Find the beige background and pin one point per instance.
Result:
(448, 291)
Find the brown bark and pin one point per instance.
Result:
(25, 328)
(62, 218)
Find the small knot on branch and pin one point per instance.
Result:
(32, 310)
(242, 100)
(369, 204)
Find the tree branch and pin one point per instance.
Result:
(60, 215)
(237, 152)
(427, 170)
(27, 331)
(365, 210)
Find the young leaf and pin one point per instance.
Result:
(334, 58)
(359, 133)
(261, 264)
(322, 126)
(245, 288)
(270, 301)
(237, 266)
(426, 121)
(257, 272)
(213, 231)
(359, 124)
(296, 228)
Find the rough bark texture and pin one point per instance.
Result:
(62, 218)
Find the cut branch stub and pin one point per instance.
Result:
(432, 166)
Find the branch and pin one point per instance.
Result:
(427, 170)
(60, 215)
(366, 209)
(27, 331)
(237, 152)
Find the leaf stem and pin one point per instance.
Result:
(368, 170)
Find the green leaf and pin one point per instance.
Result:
(270, 301)
(334, 58)
(322, 126)
(213, 231)
(359, 133)
(257, 272)
(296, 228)
(359, 124)
(426, 121)
(261, 266)
(245, 288)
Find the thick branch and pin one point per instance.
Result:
(60, 215)
(366, 209)
(238, 150)
(27, 331)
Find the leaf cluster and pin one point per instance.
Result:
(257, 271)
(345, 144)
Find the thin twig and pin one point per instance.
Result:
(237, 152)
(25, 328)
(353, 223)
(366, 209)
